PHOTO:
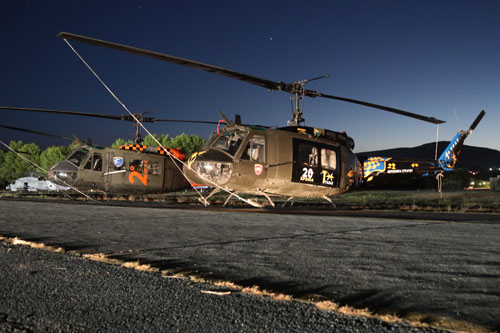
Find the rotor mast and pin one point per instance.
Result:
(297, 96)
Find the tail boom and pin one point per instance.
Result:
(449, 157)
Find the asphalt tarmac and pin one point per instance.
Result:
(430, 270)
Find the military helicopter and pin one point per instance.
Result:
(291, 161)
(128, 169)
(322, 163)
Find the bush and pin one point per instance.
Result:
(495, 183)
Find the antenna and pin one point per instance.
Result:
(456, 117)
(437, 142)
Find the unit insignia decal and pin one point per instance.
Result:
(258, 168)
(117, 161)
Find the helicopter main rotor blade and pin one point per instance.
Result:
(433, 120)
(478, 119)
(100, 115)
(188, 121)
(177, 60)
(294, 87)
(75, 113)
(36, 132)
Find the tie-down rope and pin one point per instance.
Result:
(172, 157)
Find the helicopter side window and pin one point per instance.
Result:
(154, 168)
(136, 165)
(328, 159)
(308, 155)
(255, 150)
(97, 166)
(313, 157)
(94, 163)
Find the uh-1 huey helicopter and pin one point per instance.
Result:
(128, 169)
(291, 161)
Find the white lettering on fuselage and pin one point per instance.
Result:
(400, 171)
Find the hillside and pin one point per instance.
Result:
(471, 157)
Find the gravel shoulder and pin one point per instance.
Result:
(52, 292)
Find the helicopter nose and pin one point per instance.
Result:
(208, 172)
(63, 173)
(207, 168)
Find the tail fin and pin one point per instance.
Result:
(449, 156)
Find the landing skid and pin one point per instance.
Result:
(249, 201)
(290, 199)
(268, 198)
(329, 200)
(205, 200)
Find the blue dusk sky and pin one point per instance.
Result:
(436, 58)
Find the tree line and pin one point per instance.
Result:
(12, 166)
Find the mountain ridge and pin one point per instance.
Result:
(471, 157)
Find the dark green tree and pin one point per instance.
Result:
(3, 182)
(188, 144)
(13, 166)
(53, 155)
(150, 140)
(166, 141)
(120, 142)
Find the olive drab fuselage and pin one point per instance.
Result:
(120, 171)
(290, 161)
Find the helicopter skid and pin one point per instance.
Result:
(299, 190)
(249, 201)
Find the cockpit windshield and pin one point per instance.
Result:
(228, 141)
(78, 156)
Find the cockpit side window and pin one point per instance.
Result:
(255, 150)
(78, 157)
(229, 141)
(94, 163)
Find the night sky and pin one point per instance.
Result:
(437, 58)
